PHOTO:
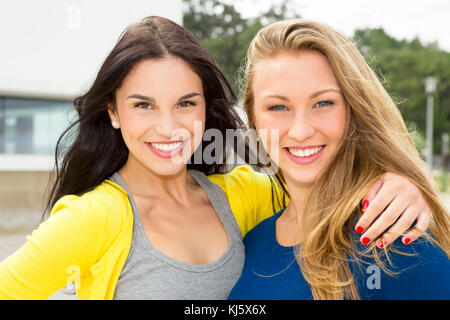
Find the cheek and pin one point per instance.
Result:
(192, 126)
(341, 123)
(335, 125)
(271, 129)
(194, 120)
(133, 127)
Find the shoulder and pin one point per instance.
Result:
(422, 253)
(260, 187)
(241, 176)
(425, 260)
(252, 195)
(420, 270)
(262, 231)
(101, 208)
(414, 257)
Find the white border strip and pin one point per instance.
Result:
(26, 162)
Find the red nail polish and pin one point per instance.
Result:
(381, 244)
(365, 240)
(407, 240)
(359, 229)
(365, 204)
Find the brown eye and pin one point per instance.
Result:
(186, 104)
(143, 105)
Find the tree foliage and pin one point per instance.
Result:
(403, 65)
(225, 33)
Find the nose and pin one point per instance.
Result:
(167, 123)
(302, 127)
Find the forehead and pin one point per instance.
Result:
(293, 72)
(169, 74)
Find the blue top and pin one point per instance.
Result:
(271, 271)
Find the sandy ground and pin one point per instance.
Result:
(10, 242)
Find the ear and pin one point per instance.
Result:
(113, 117)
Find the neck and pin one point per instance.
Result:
(143, 182)
(289, 226)
(298, 196)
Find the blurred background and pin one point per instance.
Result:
(50, 51)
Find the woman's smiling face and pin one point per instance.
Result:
(297, 94)
(160, 109)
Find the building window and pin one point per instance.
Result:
(33, 126)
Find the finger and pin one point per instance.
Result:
(383, 198)
(370, 195)
(400, 227)
(386, 220)
(368, 198)
(423, 221)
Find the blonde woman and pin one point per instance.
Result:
(338, 132)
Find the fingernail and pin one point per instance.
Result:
(365, 204)
(359, 229)
(380, 244)
(365, 240)
(407, 240)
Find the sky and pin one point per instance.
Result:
(429, 20)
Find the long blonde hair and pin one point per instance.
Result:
(375, 141)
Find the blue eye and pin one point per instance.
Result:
(277, 108)
(322, 104)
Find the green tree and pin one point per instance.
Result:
(403, 65)
(223, 31)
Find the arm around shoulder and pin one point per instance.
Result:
(251, 194)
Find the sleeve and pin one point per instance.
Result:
(251, 195)
(67, 243)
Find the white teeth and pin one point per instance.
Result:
(166, 147)
(304, 152)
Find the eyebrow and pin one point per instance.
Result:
(147, 98)
(315, 94)
(318, 93)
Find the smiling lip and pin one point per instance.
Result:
(306, 159)
(166, 154)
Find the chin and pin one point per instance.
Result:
(168, 171)
(302, 177)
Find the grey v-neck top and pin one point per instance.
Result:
(150, 274)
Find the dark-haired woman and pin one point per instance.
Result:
(127, 221)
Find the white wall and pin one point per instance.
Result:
(54, 48)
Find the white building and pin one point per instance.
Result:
(50, 51)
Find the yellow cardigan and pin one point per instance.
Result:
(86, 239)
